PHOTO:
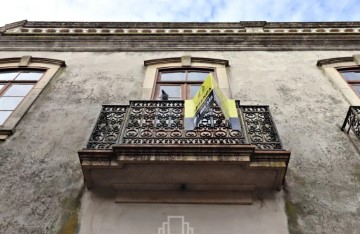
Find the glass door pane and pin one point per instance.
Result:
(351, 75)
(9, 103)
(356, 88)
(172, 76)
(18, 90)
(197, 76)
(31, 75)
(4, 115)
(193, 90)
(167, 92)
(8, 75)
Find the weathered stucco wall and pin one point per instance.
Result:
(41, 179)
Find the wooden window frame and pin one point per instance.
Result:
(185, 85)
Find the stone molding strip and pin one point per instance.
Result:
(60, 63)
(323, 62)
(193, 60)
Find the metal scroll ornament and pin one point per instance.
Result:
(162, 123)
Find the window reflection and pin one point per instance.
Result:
(8, 75)
(173, 76)
(18, 90)
(193, 90)
(172, 92)
(4, 115)
(197, 76)
(9, 103)
(29, 76)
(351, 75)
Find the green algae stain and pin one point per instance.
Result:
(71, 225)
(292, 212)
(71, 215)
(356, 172)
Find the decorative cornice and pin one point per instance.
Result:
(39, 24)
(95, 28)
(141, 36)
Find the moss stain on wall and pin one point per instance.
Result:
(357, 171)
(70, 223)
(292, 212)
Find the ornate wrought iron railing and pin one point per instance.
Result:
(161, 123)
(352, 120)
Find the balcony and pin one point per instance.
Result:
(142, 152)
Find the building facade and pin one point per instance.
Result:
(89, 145)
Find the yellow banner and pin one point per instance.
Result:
(227, 106)
(203, 92)
(196, 106)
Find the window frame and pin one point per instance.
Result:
(50, 67)
(185, 85)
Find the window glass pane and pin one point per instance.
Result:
(173, 92)
(1, 86)
(18, 90)
(356, 88)
(172, 76)
(4, 115)
(8, 75)
(197, 76)
(9, 103)
(193, 90)
(30, 75)
(351, 76)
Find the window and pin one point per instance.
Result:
(352, 77)
(22, 79)
(181, 77)
(343, 73)
(15, 85)
(179, 84)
